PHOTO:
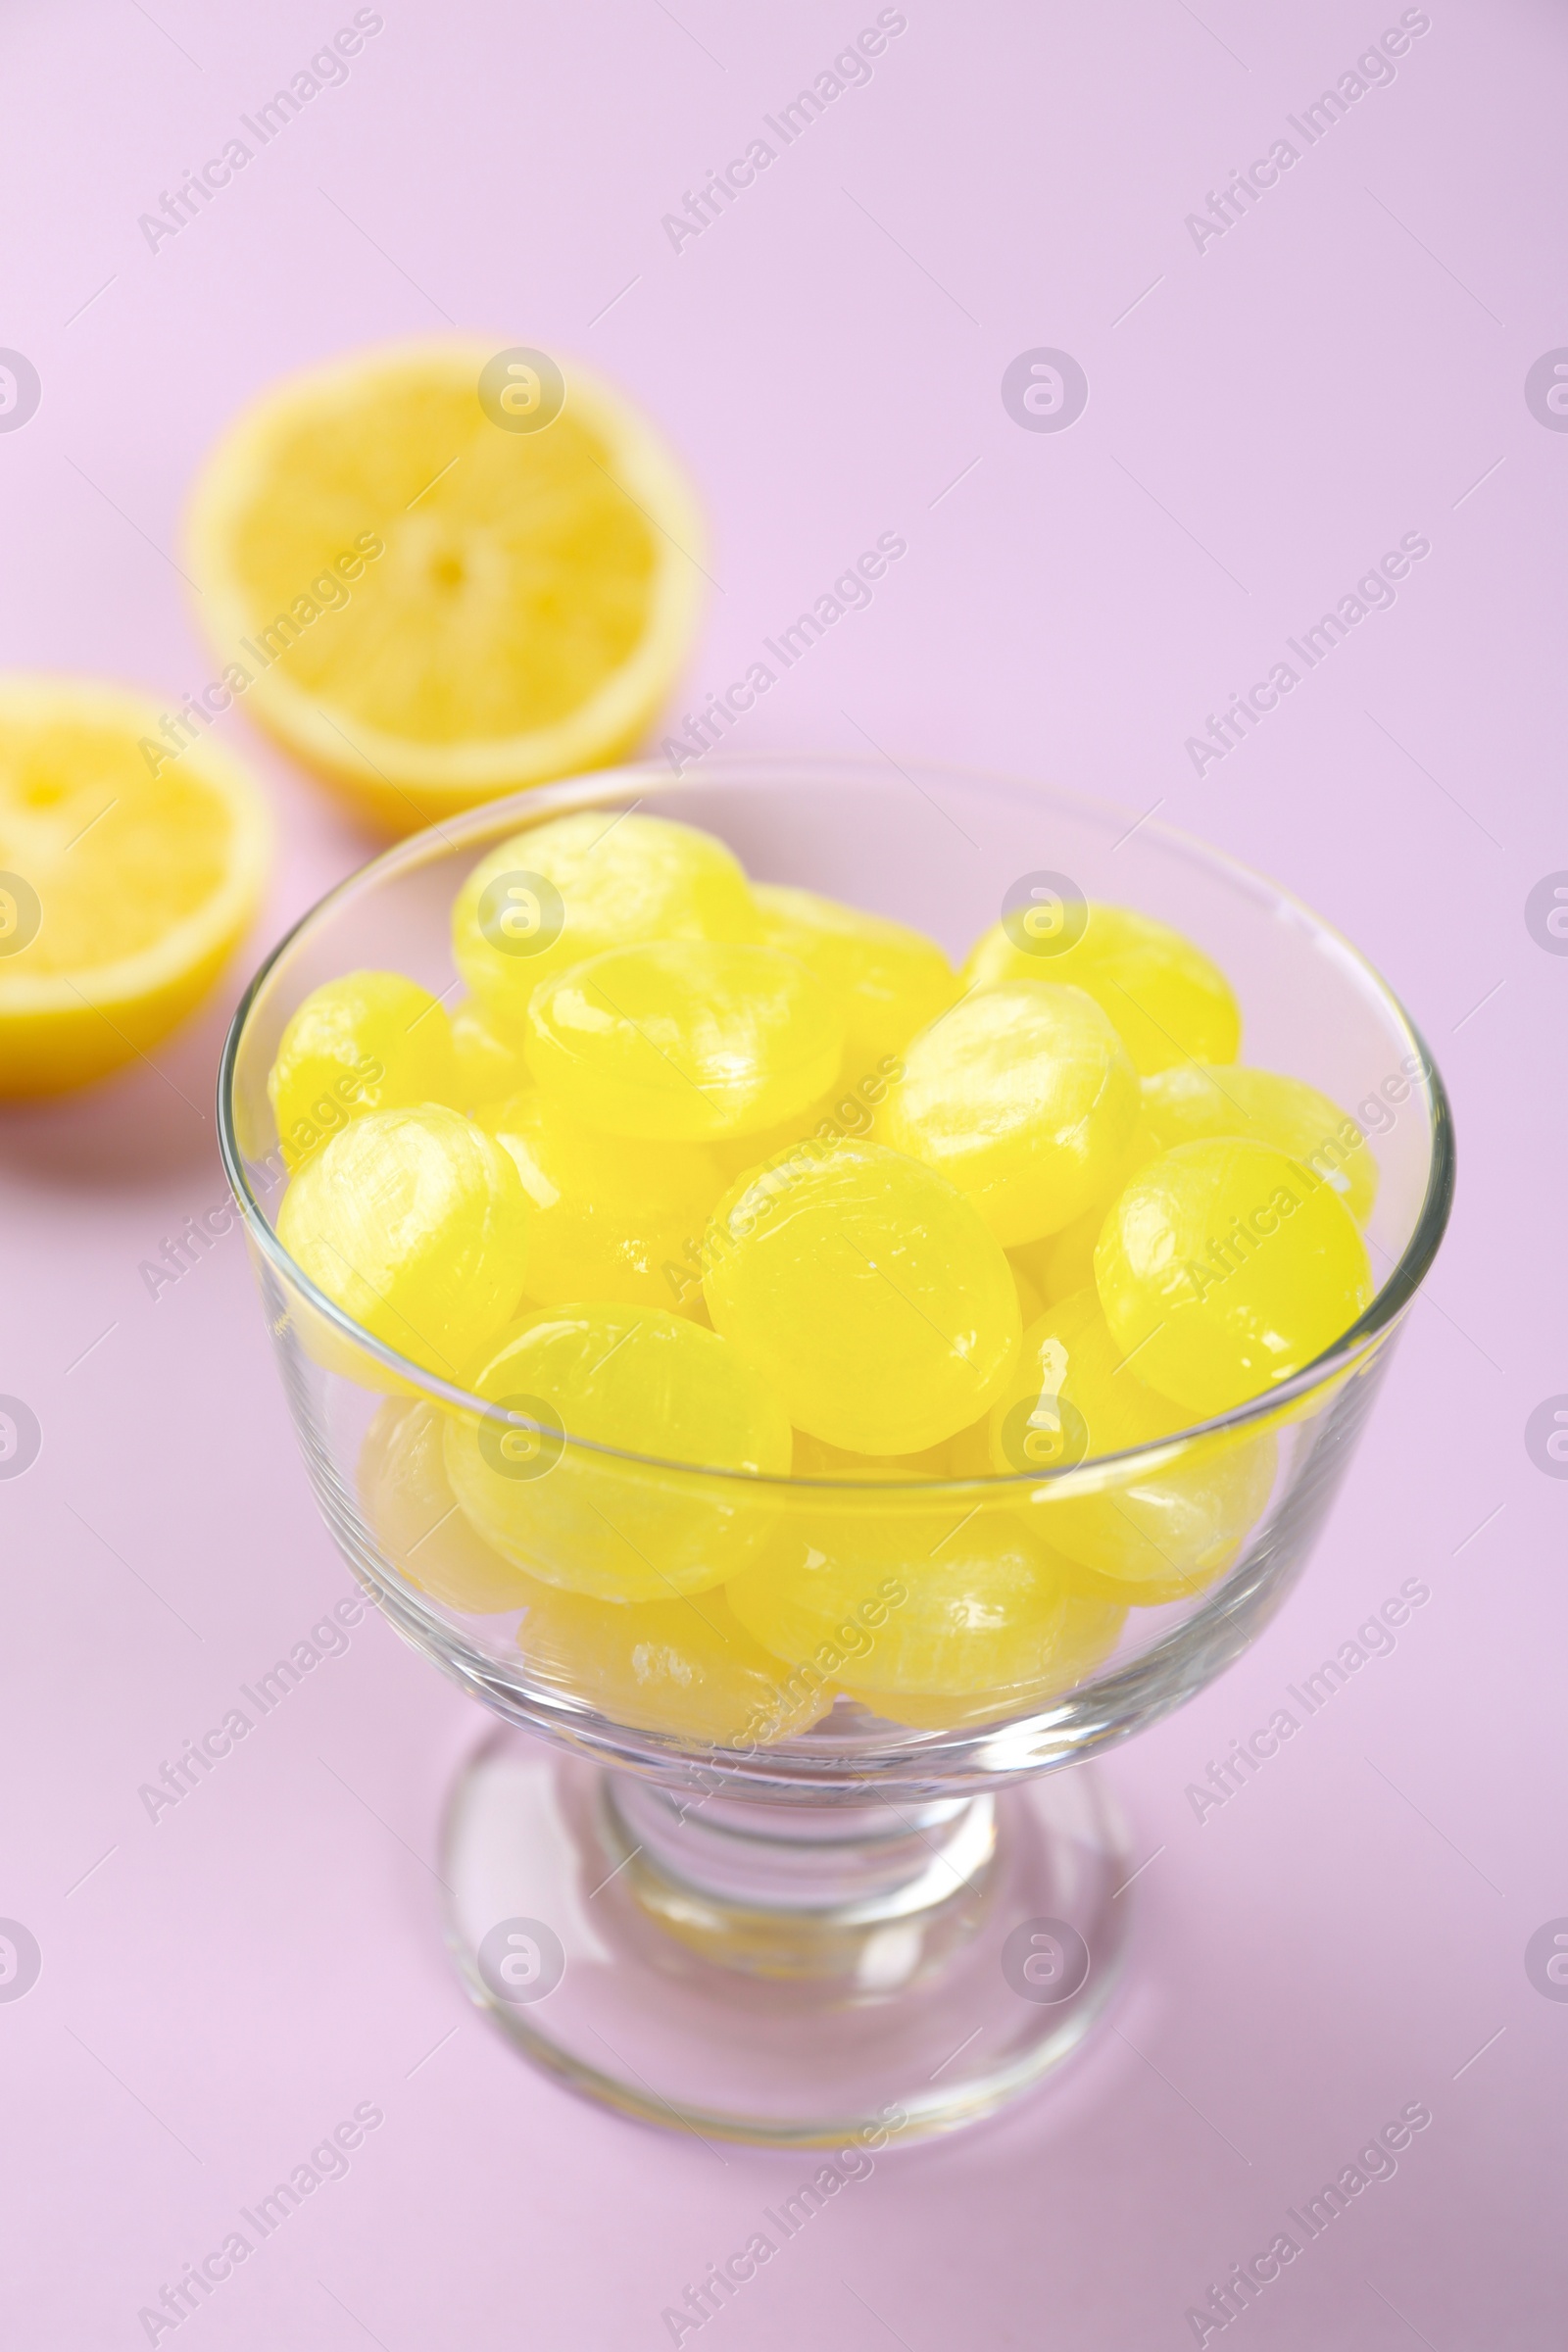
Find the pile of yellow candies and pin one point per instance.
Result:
(749, 1226)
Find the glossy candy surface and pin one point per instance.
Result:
(1168, 1001)
(1064, 1262)
(417, 1225)
(1184, 1106)
(610, 1222)
(1228, 1266)
(891, 980)
(1086, 1633)
(868, 1294)
(1024, 1098)
(686, 1666)
(413, 1512)
(633, 1379)
(1073, 1397)
(580, 884)
(810, 1308)
(684, 1041)
(683, 1666)
(490, 1059)
(881, 1597)
(372, 1041)
(845, 1114)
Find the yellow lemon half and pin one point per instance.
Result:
(445, 571)
(123, 891)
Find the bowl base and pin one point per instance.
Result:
(794, 1975)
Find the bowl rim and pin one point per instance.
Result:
(636, 781)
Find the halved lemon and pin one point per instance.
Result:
(446, 572)
(128, 870)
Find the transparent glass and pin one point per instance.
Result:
(837, 1895)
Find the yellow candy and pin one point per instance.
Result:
(1149, 1592)
(1073, 1397)
(417, 1225)
(738, 1155)
(815, 1460)
(1184, 1106)
(490, 1061)
(638, 1380)
(580, 884)
(884, 1596)
(1089, 1630)
(891, 980)
(964, 1455)
(609, 1222)
(372, 1041)
(868, 1294)
(1168, 1001)
(847, 1110)
(1031, 1302)
(682, 1666)
(968, 1453)
(414, 1514)
(687, 1666)
(1225, 1267)
(1064, 1263)
(681, 1041)
(1023, 1097)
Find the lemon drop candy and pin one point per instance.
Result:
(609, 1222)
(1064, 1262)
(491, 1063)
(740, 1155)
(1031, 1300)
(572, 1391)
(891, 980)
(1184, 1106)
(822, 1463)
(684, 1041)
(372, 1041)
(580, 884)
(415, 1224)
(867, 1291)
(1168, 1001)
(1083, 1637)
(1024, 1098)
(1171, 1523)
(1227, 1266)
(685, 1667)
(413, 1515)
(878, 1597)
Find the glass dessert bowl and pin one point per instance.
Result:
(787, 1831)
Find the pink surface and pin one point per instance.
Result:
(1266, 416)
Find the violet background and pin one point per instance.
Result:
(1344, 366)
